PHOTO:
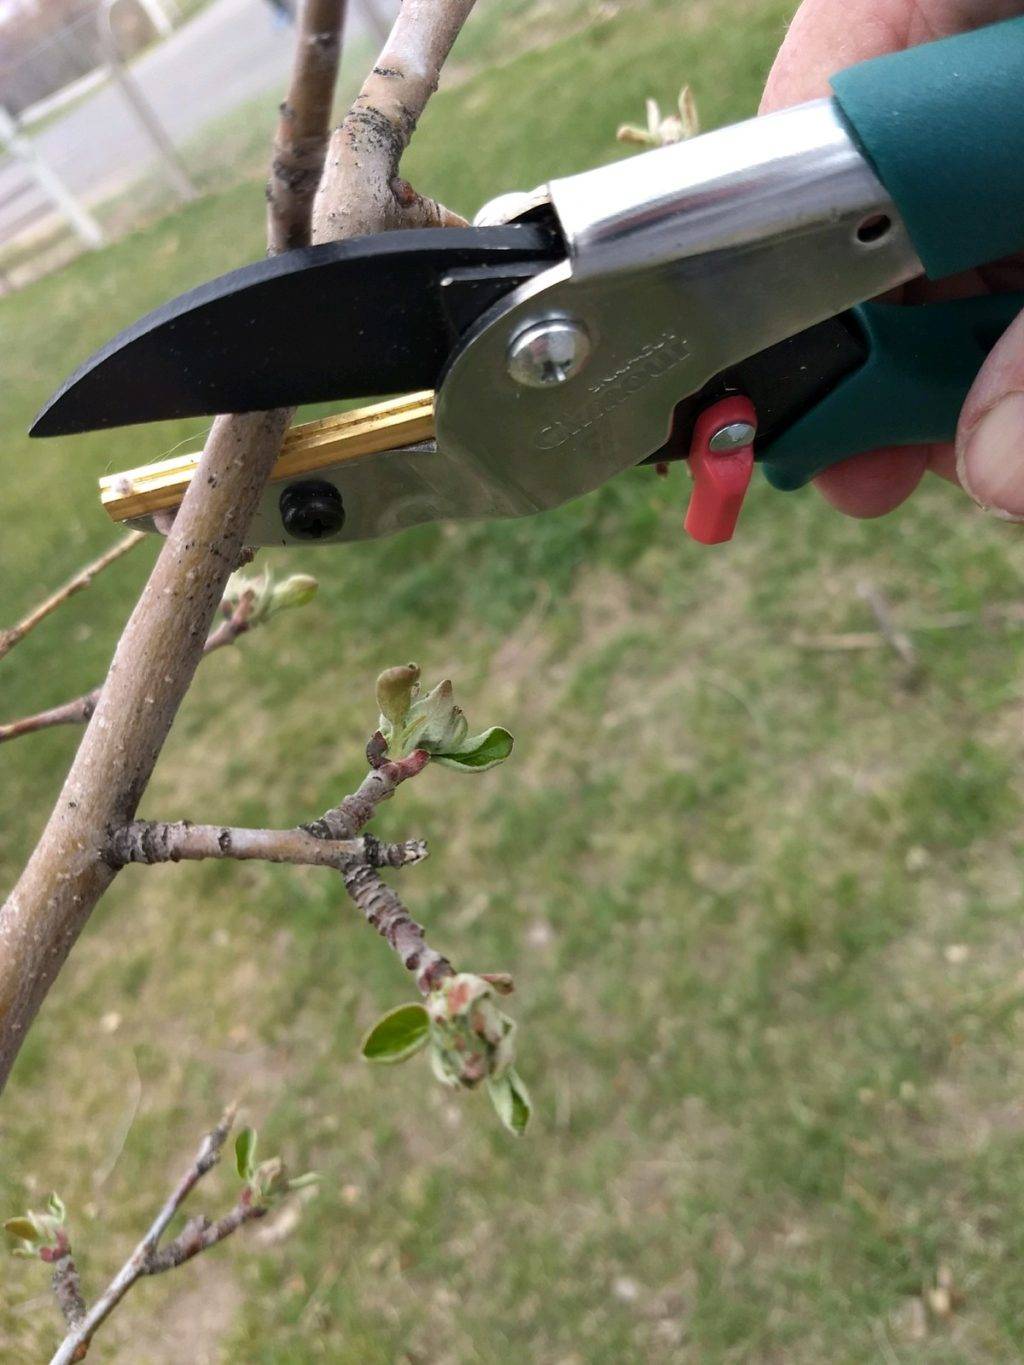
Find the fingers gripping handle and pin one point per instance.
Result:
(920, 362)
(943, 126)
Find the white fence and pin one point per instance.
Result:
(93, 139)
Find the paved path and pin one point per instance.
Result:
(230, 52)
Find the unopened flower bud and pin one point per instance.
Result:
(295, 591)
(396, 688)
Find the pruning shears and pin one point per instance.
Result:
(703, 301)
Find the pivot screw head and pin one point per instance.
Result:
(733, 436)
(548, 353)
(312, 510)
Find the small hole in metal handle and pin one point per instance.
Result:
(874, 229)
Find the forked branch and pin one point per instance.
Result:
(164, 639)
(149, 1257)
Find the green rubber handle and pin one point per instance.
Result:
(943, 127)
(920, 364)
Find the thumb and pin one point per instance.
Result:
(990, 438)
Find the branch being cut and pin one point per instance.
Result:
(80, 709)
(361, 190)
(149, 1258)
(15, 634)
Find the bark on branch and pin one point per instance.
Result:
(361, 190)
(383, 908)
(379, 903)
(302, 128)
(150, 841)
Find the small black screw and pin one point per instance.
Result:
(312, 510)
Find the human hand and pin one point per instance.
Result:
(987, 459)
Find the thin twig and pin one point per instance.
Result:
(384, 909)
(304, 119)
(347, 818)
(898, 640)
(67, 1287)
(149, 1258)
(80, 709)
(998, 614)
(146, 841)
(15, 634)
(331, 841)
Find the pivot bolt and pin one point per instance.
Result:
(733, 436)
(312, 510)
(548, 353)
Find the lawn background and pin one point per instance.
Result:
(763, 903)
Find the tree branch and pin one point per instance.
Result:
(384, 909)
(15, 634)
(67, 1287)
(361, 190)
(163, 641)
(347, 818)
(149, 1258)
(332, 841)
(897, 639)
(379, 903)
(80, 709)
(145, 841)
(304, 119)
(151, 671)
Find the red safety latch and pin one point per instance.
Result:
(721, 461)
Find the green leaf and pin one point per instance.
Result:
(511, 1100)
(56, 1206)
(400, 1034)
(301, 1181)
(245, 1153)
(295, 591)
(479, 752)
(22, 1228)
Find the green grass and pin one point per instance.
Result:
(763, 905)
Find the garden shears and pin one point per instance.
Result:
(702, 301)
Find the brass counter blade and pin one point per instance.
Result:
(307, 448)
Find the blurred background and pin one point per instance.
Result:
(757, 878)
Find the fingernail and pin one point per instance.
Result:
(991, 465)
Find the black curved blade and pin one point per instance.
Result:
(347, 320)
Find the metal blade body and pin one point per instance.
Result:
(345, 320)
